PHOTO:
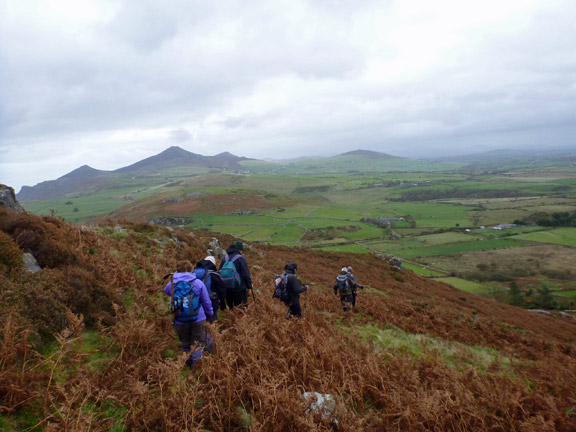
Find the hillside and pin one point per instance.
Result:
(87, 344)
(81, 179)
(369, 154)
(174, 162)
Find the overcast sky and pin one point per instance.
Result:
(109, 82)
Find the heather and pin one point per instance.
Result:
(87, 344)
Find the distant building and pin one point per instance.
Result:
(504, 226)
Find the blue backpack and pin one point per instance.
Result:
(185, 303)
(230, 275)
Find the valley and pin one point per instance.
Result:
(455, 220)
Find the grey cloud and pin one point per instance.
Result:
(180, 135)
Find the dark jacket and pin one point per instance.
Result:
(241, 266)
(293, 284)
(351, 283)
(216, 285)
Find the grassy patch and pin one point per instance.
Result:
(455, 248)
(454, 354)
(422, 271)
(559, 236)
(465, 285)
(352, 247)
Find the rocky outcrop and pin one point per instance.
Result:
(216, 249)
(8, 199)
(30, 263)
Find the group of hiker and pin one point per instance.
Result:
(198, 293)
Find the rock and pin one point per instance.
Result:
(216, 249)
(171, 221)
(8, 199)
(30, 263)
(540, 311)
(321, 404)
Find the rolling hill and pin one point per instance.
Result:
(87, 344)
(172, 162)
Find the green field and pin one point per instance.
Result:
(465, 285)
(422, 271)
(341, 204)
(449, 249)
(560, 236)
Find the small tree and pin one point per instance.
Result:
(515, 295)
(544, 298)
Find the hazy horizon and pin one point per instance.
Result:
(110, 82)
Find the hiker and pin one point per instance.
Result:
(356, 285)
(293, 288)
(190, 305)
(236, 290)
(344, 286)
(206, 271)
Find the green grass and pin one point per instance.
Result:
(560, 236)
(444, 238)
(454, 354)
(422, 271)
(566, 293)
(353, 247)
(449, 249)
(289, 234)
(465, 285)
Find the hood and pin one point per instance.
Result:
(232, 250)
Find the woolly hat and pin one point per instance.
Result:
(291, 266)
(344, 270)
(350, 269)
(211, 259)
(239, 245)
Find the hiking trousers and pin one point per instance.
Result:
(190, 333)
(295, 308)
(236, 298)
(346, 301)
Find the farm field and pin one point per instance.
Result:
(438, 215)
(466, 285)
(419, 270)
(559, 236)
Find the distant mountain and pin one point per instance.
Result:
(86, 179)
(175, 157)
(370, 154)
(79, 179)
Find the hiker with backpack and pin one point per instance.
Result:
(288, 289)
(235, 274)
(344, 286)
(190, 304)
(355, 285)
(206, 271)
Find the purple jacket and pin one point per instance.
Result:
(199, 289)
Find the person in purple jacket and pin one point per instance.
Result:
(191, 332)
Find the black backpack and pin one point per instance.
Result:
(343, 285)
(281, 287)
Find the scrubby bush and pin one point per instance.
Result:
(43, 237)
(10, 255)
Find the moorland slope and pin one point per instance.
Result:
(87, 344)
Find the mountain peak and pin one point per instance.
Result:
(370, 154)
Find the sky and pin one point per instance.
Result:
(110, 82)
